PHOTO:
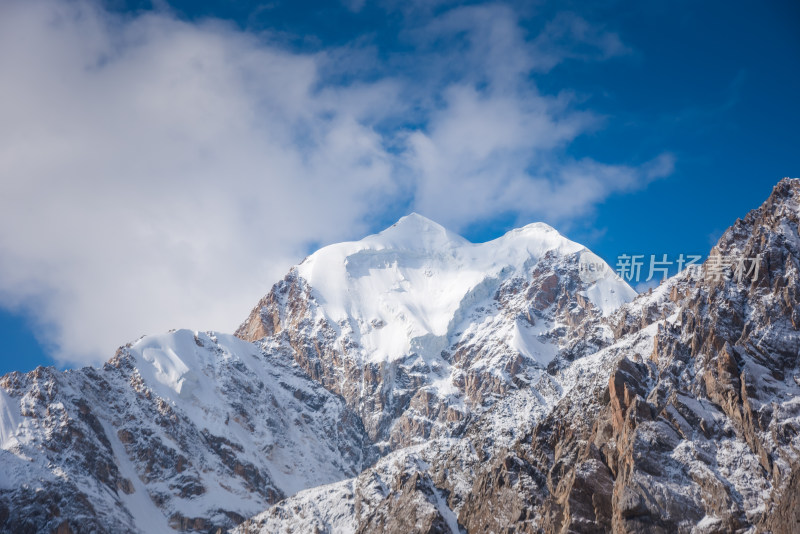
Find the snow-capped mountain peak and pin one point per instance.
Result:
(415, 232)
(419, 310)
(409, 287)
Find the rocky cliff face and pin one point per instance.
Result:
(415, 382)
(186, 431)
(700, 433)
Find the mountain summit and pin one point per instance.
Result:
(413, 381)
(418, 329)
(410, 288)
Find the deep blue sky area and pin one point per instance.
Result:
(716, 83)
(21, 350)
(713, 83)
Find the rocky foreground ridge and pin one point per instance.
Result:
(416, 382)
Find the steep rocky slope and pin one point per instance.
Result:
(451, 478)
(188, 431)
(701, 435)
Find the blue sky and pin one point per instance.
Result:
(166, 162)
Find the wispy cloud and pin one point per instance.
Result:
(156, 173)
(569, 36)
(493, 144)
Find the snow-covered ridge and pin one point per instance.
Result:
(407, 286)
(179, 431)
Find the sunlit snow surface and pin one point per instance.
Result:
(408, 288)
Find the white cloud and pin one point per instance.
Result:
(494, 144)
(159, 174)
(156, 173)
(569, 36)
